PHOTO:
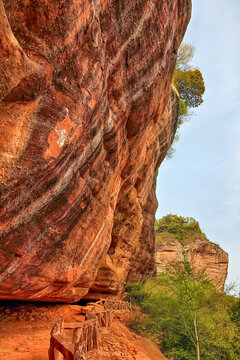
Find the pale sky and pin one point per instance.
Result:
(203, 178)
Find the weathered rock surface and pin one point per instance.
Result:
(86, 119)
(202, 254)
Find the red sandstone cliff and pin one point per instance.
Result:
(86, 119)
(202, 254)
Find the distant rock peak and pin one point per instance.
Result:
(202, 254)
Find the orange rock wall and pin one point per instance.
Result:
(202, 254)
(86, 119)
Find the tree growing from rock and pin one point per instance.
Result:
(188, 80)
(190, 85)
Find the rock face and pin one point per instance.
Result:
(86, 119)
(201, 253)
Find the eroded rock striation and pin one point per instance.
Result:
(87, 116)
(201, 253)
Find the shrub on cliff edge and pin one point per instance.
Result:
(179, 227)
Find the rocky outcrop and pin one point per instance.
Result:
(201, 253)
(86, 119)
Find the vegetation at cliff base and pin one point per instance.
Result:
(187, 316)
(179, 228)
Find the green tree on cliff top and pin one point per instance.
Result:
(180, 228)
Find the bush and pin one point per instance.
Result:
(181, 304)
(136, 293)
(181, 228)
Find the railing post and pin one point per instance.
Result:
(57, 329)
(90, 338)
(60, 325)
(79, 351)
(90, 313)
(85, 338)
(96, 337)
(108, 318)
(77, 335)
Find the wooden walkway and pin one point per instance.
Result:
(80, 340)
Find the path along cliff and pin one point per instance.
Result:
(25, 334)
(86, 117)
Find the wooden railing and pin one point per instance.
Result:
(80, 340)
(82, 345)
(115, 305)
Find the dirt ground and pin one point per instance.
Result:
(25, 334)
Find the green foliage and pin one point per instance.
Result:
(180, 228)
(171, 150)
(188, 80)
(190, 85)
(184, 308)
(234, 313)
(183, 112)
(136, 293)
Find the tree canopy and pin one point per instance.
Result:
(190, 85)
(188, 80)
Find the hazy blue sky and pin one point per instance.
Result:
(203, 178)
